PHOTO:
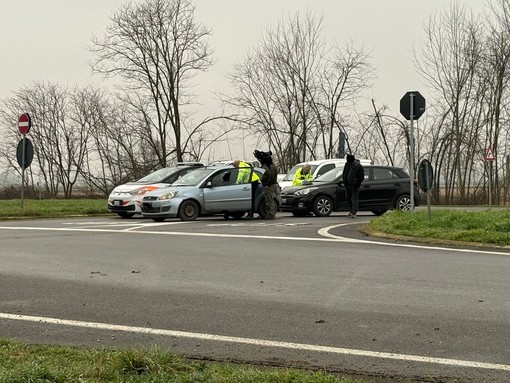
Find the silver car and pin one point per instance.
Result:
(206, 191)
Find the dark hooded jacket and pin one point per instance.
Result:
(353, 173)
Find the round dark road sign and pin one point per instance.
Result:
(425, 175)
(29, 153)
(418, 105)
(24, 123)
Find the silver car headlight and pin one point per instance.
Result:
(304, 191)
(169, 195)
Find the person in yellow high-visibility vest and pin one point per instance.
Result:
(303, 176)
(243, 177)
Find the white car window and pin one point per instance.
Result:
(324, 169)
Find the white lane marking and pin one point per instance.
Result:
(261, 224)
(129, 225)
(257, 342)
(177, 233)
(325, 233)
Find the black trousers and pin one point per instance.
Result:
(351, 195)
(254, 186)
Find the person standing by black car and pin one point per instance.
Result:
(352, 175)
(269, 181)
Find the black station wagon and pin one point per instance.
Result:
(384, 188)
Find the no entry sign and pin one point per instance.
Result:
(24, 123)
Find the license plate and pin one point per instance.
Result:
(284, 200)
(117, 202)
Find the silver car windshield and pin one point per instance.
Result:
(194, 178)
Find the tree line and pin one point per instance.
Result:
(294, 92)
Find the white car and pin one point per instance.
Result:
(317, 168)
(125, 199)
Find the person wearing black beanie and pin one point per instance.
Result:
(352, 175)
(269, 181)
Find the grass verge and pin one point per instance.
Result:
(21, 363)
(51, 208)
(486, 227)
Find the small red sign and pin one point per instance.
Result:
(24, 123)
(489, 155)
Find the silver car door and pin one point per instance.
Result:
(227, 192)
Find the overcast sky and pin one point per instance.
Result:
(47, 39)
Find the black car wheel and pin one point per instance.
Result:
(125, 214)
(263, 213)
(188, 211)
(403, 203)
(322, 206)
(379, 212)
(262, 209)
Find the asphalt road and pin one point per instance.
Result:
(306, 292)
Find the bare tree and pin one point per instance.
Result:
(449, 60)
(59, 136)
(9, 138)
(495, 81)
(291, 88)
(157, 47)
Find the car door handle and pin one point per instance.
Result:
(245, 189)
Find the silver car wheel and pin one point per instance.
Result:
(188, 211)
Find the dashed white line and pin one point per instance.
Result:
(257, 342)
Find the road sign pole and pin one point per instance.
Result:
(23, 172)
(490, 183)
(411, 151)
(428, 190)
(411, 112)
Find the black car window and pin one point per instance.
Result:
(383, 174)
(330, 176)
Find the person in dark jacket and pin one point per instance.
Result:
(269, 181)
(352, 175)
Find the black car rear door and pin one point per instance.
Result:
(379, 189)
